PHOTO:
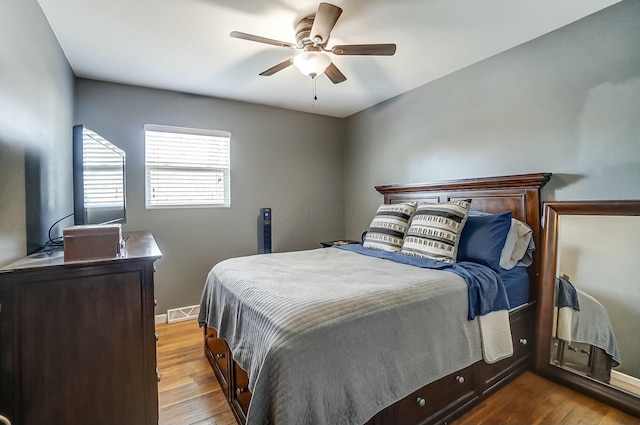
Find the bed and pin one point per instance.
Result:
(366, 351)
(583, 338)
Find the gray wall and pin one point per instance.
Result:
(36, 109)
(289, 161)
(567, 103)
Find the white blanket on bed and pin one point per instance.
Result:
(332, 337)
(494, 327)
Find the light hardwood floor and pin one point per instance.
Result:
(189, 393)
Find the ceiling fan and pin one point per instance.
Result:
(312, 36)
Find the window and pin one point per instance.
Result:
(186, 167)
(103, 172)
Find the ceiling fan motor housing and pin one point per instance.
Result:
(303, 34)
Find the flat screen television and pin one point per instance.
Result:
(99, 183)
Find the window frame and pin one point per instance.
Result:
(188, 132)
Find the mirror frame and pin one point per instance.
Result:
(552, 210)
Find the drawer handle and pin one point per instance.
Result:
(583, 351)
(575, 350)
(4, 420)
(421, 402)
(460, 379)
(240, 391)
(158, 376)
(157, 336)
(219, 356)
(524, 341)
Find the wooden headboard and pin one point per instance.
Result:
(519, 194)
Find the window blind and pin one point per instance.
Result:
(186, 167)
(103, 173)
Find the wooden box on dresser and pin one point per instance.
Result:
(78, 341)
(436, 403)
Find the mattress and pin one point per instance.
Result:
(293, 314)
(516, 283)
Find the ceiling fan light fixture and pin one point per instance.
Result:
(312, 64)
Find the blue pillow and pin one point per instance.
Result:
(483, 238)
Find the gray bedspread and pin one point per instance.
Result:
(354, 336)
(589, 325)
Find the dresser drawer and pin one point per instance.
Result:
(241, 396)
(522, 339)
(575, 355)
(522, 336)
(218, 355)
(454, 389)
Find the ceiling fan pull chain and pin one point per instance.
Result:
(315, 97)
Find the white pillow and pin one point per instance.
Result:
(518, 247)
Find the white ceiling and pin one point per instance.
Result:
(184, 45)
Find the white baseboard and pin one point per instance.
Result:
(161, 318)
(627, 382)
(183, 313)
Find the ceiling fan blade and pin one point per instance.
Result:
(324, 21)
(279, 67)
(334, 74)
(251, 37)
(365, 49)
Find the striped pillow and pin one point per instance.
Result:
(388, 226)
(435, 230)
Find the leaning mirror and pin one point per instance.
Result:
(589, 304)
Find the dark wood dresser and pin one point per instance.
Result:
(77, 340)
